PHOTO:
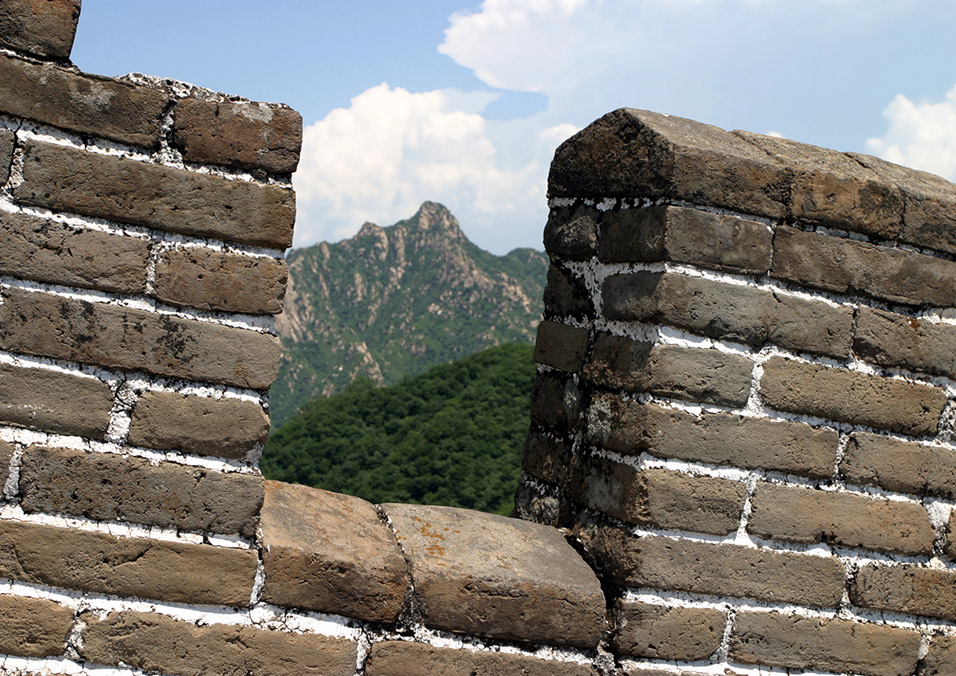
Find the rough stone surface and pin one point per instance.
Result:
(330, 552)
(154, 643)
(239, 134)
(118, 337)
(136, 567)
(51, 401)
(850, 267)
(555, 401)
(6, 154)
(84, 104)
(685, 235)
(848, 396)
(561, 346)
(546, 457)
(940, 657)
(896, 465)
(741, 314)
(805, 515)
(666, 633)
(43, 28)
(402, 658)
(50, 251)
(571, 232)
(6, 453)
(217, 280)
(670, 371)
(714, 438)
(507, 579)
(891, 339)
(153, 195)
(906, 589)
(110, 487)
(226, 428)
(33, 627)
(566, 295)
(823, 644)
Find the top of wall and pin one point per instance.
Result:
(40, 28)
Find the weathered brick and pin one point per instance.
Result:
(949, 546)
(891, 339)
(940, 658)
(119, 337)
(238, 134)
(532, 505)
(6, 454)
(897, 465)
(848, 396)
(218, 280)
(637, 153)
(742, 314)
(137, 567)
(39, 27)
(666, 633)
(852, 267)
(6, 154)
(805, 515)
(714, 438)
(130, 191)
(709, 568)
(823, 644)
(691, 374)
(546, 457)
(555, 401)
(685, 235)
(659, 497)
(110, 487)
(226, 428)
(566, 295)
(571, 232)
(906, 589)
(831, 188)
(155, 643)
(85, 104)
(330, 552)
(561, 346)
(33, 627)
(403, 658)
(52, 401)
(50, 251)
(487, 575)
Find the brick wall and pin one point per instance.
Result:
(746, 397)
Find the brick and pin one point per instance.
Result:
(403, 658)
(140, 193)
(906, 589)
(566, 295)
(637, 153)
(532, 505)
(225, 428)
(217, 280)
(670, 371)
(487, 575)
(39, 27)
(714, 438)
(949, 546)
(80, 103)
(6, 454)
(52, 401)
(940, 656)
(571, 232)
(848, 396)
(155, 643)
(896, 465)
(6, 154)
(806, 515)
(50, 251)
(110, 487)
(710, 568)
(240, 134)
(555, 401)
(546, 457)
(890, 339)
(831, 188)
(330, 552)
(33, 627)
(823, 644)
(741, 314)
(666, 633)
(135, 567)
(561, 346)
(658, 497)
(118, 337)
(685, 235)
(851, 267)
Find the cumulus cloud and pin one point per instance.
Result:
(920, 135)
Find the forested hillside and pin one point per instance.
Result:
(451, 436)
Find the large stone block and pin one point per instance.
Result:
(891, 339)
(561, 346)
(43, 28)
(906, 589)
(940, 656)
(876, 460)
(402, 658)
(33, 627)
(6, 154)
(571, 232)
(566, 295)
(555, 400)
(666, 633)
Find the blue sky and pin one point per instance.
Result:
(464, 102)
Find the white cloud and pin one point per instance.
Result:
(921, 135)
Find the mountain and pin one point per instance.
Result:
(393, 301)
(451, 436)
